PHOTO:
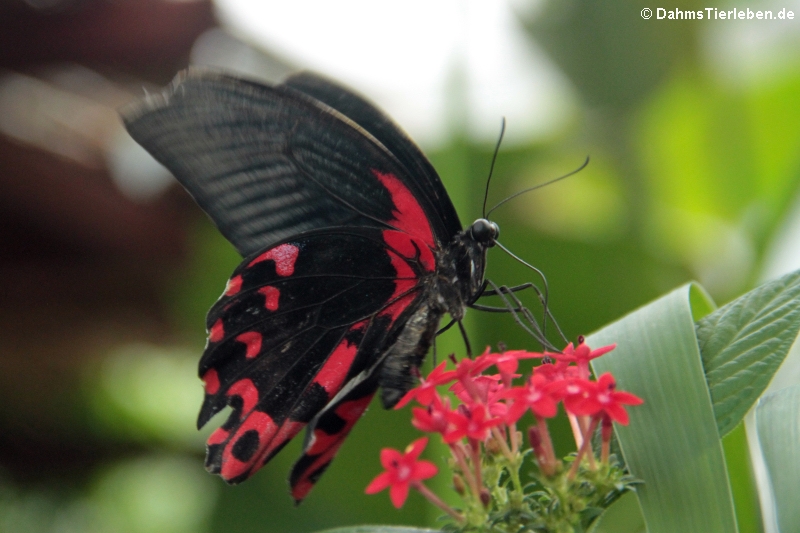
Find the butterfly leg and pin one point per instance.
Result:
(448, 326)
(466, 339)
(502, 291)
(521, 314)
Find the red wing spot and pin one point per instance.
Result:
(301, 489)
(332, 374)
(247, 391)
(407, 246)
(409, 216)
(261, 422)
(234, 285)
(284, 256)
(271, 294)
(350, 412)
(211, 380)
(218, 437)
(398, 307)
(406, 280)
(403, 269)
(325, 446)
(287, 432)
(217, 331)
(253, 341)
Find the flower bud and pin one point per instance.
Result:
(606, 429)
(493, 447)
(534, 437)
(486, 498)
(458, 484)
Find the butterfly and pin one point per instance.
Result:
(353, 254)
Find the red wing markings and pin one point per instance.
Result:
(323, 445)
(211, 380)
(403, 249)
(284, 255)
(332, 374)
(252, 341)
(217, 332)
(233, 286)
(271, 295)
(247, 391)
(258, 437)
(409, 216)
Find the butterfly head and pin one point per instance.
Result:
(484, 232)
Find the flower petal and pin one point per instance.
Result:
(383, 480)
(398, 494)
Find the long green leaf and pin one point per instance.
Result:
(778, 427)
(672, 441)
(744, 342)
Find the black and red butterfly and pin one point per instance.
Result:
(353, 253)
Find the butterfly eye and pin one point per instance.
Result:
(484, 231)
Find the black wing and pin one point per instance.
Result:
(267, 162)
(296, 339)
(383, 128)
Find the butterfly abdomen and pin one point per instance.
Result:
(408, 353)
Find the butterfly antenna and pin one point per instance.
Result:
(491, 168)
(501, 202)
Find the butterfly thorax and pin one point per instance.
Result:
(456, 284)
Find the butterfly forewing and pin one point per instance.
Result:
(356, 108)
(267, 163)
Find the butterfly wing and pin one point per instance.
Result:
(268, 162)
(341, 216)
(388, 133)
(297, 337)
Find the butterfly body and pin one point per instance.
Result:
(353, 254)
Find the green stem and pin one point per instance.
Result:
(438, 502)
(587, 444)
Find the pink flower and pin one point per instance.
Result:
(575, 392)
(433, 418)
(581, 355)
(472, 422)
(427, 389)
(606, 400)
(536, 395)
(403, 470)
(508, 362)
(474, 367)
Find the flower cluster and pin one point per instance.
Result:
(478, 422)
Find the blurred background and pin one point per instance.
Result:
(107, 267)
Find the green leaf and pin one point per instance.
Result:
(672, 441)
(624, 516)
(744, 342)
(778, 427)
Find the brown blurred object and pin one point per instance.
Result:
(148, 38)
(83, 266)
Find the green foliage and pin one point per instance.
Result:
(672, 441)
(778, 427)
(744, 343)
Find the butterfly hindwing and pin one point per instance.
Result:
(268, 162)
(297, 324)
